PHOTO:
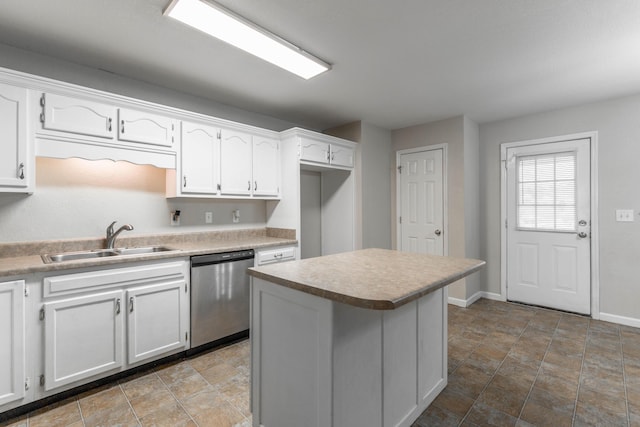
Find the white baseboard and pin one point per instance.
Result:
(475, 297)
(622, 320)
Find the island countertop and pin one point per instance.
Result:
(378, 279)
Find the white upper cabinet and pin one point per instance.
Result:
(341, 155)
(145, 128)
(79, 116)
(236, 166)
(12, 337)
(314, 151)
(266, 166)
(16, 159)
(200, 159)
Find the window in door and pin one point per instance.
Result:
(547, 192)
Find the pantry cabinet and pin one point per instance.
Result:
(199, 159)
(12, 337)
(16, 157)
(236, 162)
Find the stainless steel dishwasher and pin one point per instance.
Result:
(219, 296)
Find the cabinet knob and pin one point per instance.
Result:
(184, 181)
(255, 185)
(248, 185)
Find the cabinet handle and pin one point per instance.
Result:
(121, 126)
(219, 187)
(255, 185)
(249, 186)
(328, 156)
(21, 170)
(184, 181)
(130, 304)
(109, 124)
(333, 156)
(118, 306)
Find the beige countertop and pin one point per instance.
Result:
(377, 279)
(26, 258)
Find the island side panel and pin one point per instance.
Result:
(432, 358)
(291, 357)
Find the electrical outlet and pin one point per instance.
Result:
(208, 217)
(236, 216)
(624, 215)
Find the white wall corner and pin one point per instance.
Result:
(475, 297)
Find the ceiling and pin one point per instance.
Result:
(395, 63)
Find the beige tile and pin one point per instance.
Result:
(206, 360)
(102, 400)
(505, 394)
(189, 386)
(202, 401)
(149, 403)
(60, 414)
(169, 415)
(484, 415)
(117, 415)
(453, 402)
(176, 372)
(220, 373)
(220, 415)
(142, 386)
(21, 421)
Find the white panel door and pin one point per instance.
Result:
(12, 339)
(266, 166)
(200, 151)
(156, 320)
(548, 225)
(83, 337)
(421, 202)
(235, 162)
(14, 164)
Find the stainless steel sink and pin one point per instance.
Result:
(142, 251)
(101, 253)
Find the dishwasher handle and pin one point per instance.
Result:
(202, 260)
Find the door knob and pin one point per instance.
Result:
(438, 232)
(582, 234)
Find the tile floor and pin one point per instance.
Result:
(509, 365)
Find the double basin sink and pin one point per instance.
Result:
(102, 253)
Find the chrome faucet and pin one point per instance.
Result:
(111, 235)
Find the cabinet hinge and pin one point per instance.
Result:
(42, 313)
(400, 220)
(506, 223)
(41, 380)
(186, 336)
(400, 169)
(219, 134)
(185, 288)
(219, 187)
(42, 105)
(26, 292)
(27, 383)
(42, 100)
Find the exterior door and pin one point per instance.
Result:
(548, 225)
(421, 202)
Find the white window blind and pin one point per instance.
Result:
(547, 192)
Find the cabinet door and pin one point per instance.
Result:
(83, 337)
(199, 159)
(14, 164)
(73, 115)
(147, 128)
(235, 162)
(156, 320)
(12, 351)
(314, 151)
(341, 156)
(266, 166)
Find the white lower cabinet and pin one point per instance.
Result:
(83, 337)
(12, 339)
(97, 323)
(155, 320)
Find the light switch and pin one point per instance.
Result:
(624, 215)
(208, 217)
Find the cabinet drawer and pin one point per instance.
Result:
(275, 255)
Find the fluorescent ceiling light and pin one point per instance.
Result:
(218, 22)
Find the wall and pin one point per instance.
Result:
(80, 198)
(451, 132)
(618, 126)
(374, 168)
(310, 214)
(472, 201)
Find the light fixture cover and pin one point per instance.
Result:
(223, 24)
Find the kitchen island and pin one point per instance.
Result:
(351, 339)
